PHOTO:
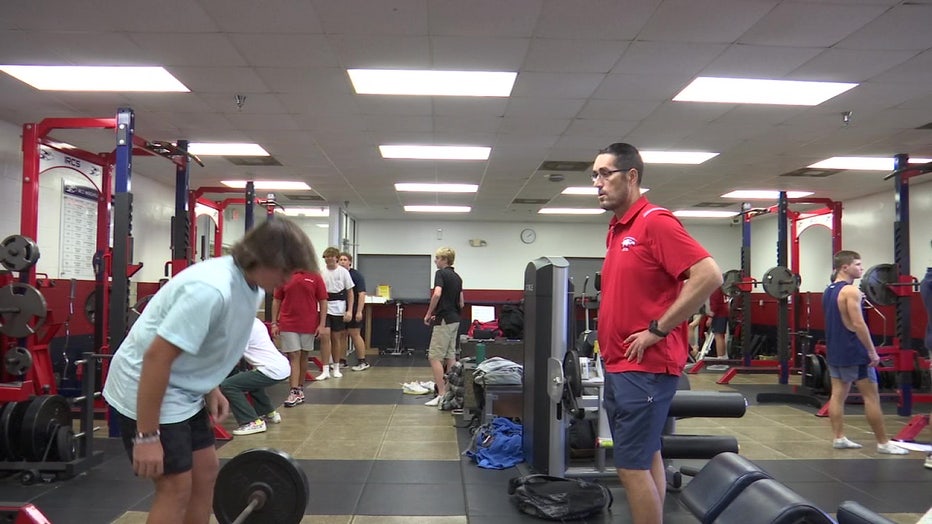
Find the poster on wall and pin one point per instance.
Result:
(78, 231)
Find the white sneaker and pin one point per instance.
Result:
(256, 426)
(335, 371)
(362, 366)
(324, 375)
(844, 443)
(889, 448)
(929, 462)
(413, 388)
(272, 418)
(433, 402)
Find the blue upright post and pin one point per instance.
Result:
(122, 253)
(250, 203)
(783, 313)
(902, 262)
(181, 222)
(746, 273)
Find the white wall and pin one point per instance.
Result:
(234, 226)
(11, 178)
(501, 263)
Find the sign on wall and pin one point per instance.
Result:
(78, 231)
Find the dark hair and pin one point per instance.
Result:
(626, 157)
(843, 258)
(277, 243)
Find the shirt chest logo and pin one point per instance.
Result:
(627, 243)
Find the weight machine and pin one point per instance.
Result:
(780, 282)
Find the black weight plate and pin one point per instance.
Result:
(267, 469)
(779, 282)
(45, 415)
(10, 426)
(875, 284)
(30, 306)
(90, 306)
(571, 372)
(18, 253)
(17, 360)
(731, 279)
(5, 414)
(64, 444)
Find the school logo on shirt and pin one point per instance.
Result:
(627, 243)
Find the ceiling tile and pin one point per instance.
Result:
(187, 49)
(556, 85)
(478, 53)
(750, 61)
(394, 105)
(703, 20)
(284, 50)
(470, 106)
(483, 17)
(363, 17)
(268, 16)
(816, 24)
(320, 106)
(367, 51)
(667, 58)
(850, 65)
(917, 69)
(594, 19)
(456, 125)
(382, 124)
(551, 55)
(517, 125)
(618, 109)
(545, 107)
(600, 128)
(902, 27)
(219, 79)
(100, 16)
(655, 88)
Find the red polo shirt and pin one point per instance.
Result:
(717, 303)
(300, 296)
(647, 254)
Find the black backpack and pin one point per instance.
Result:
(556, 498)
(511, 322)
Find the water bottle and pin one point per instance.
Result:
(480, 352)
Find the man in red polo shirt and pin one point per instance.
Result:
(654, 277)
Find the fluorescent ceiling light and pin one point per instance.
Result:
(760, 91)
(323, 225)
(438, 209)
(437, 188)
(586, 190)
(226, 149)
(436, 152)
(439, 83)
(864, 163)
(269, 184)
(307, 212)
(676, 157)
(96, 78)
(690, 213)
(569, 211)
(764, 194)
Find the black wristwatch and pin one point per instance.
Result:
(655, 329)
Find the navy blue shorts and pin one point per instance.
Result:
(179, 440)
(719, 325)
(850, 374)
(637, 405)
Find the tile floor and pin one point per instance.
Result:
(374, 455)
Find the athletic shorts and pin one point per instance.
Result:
(851, 374)
(292, 341)
(637, 405)
(719, 325)
(443, 341)
(336, 323)
(352, 324)
(179, 440)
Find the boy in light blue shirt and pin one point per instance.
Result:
(163, 379)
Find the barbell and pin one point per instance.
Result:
(778, 282)
(882, 284)
(259, 486)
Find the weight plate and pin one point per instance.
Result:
(5, 413)
(65, 444)
(17, 360)
(46, 413)
(874, 284)
(731, 279)
(268, 470)
(813, 376)
(779, 282)
(90, 306)
(18, 253)
(30, 309)
(10, 425)
(572, 373)
(554, 380)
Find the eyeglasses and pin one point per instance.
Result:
(604, 172)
